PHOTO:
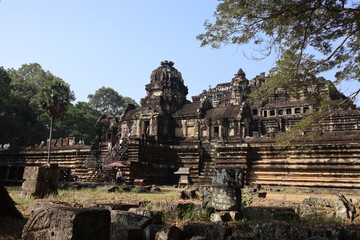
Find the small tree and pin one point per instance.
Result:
(54, 97)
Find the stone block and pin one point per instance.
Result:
(116, 206)
(119, 231)
(316, 201)
(211, 231)
(225, 216)
(155, 216)
(59, 223)
(151, 230)
(129, 219)
(31, 173)
(221, 198)
(168, 233)
(228, 178)
(40, 180)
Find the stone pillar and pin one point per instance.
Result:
(40, 180)
(224, 193)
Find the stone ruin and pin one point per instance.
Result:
(220, 128)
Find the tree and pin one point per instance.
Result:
(82, 118)
(26, 125)
(295, 30)
(109, 101)
(54, 97)
(4, 105)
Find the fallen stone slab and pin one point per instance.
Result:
(316, 201)
(116, 206)
(46, 203)
(59, 223)
(155, 216)
(119, 231)
(130, 219)
(276, 213)
(212, 231)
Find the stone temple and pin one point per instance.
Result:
(221, 128)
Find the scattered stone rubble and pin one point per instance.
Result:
(341, 208)
(58, 220)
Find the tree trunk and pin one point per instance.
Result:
(50, 138)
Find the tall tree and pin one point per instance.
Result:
(109, 101)
(82, 118)
(295, 30)
(5, 113)
(54, 97)
(27, 126)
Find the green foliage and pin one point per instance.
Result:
(292, 29)
(187, 212)
(54, 97)
(81, 117)
(26, 92)
(246, 199)
(108, 101)
(22, 122)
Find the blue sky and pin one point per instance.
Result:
(117, 44)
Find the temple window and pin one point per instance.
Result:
(255, 112)
(265, 113)
(288, 111)
(306, 109)
(272, 112)
(297, 110)
(280, 112)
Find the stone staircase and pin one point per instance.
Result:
(207, 165)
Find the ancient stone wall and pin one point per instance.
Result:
(12, 162)
(321, 165)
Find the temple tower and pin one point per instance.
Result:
(166, 92)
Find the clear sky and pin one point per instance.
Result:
(117, 43)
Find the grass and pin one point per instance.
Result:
(87, 197)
